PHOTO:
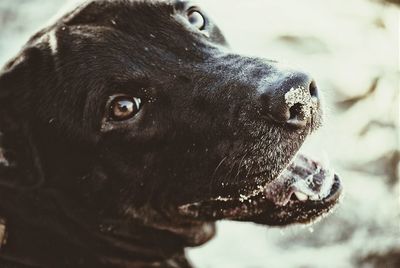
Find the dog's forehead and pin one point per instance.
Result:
(87, 7)
(76, 7)
(97, 12)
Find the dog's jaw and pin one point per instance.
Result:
(303, 192)
(192, 232)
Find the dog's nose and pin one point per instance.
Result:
(289, 99)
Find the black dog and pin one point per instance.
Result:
(129, 128)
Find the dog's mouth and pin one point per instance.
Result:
(304, 190)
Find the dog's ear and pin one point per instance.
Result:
(19, 160)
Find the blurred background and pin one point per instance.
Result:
(352, 49)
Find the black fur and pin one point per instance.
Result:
(79, 191)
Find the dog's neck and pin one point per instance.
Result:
(62, 242)
(44, 228)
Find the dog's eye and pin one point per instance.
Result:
(124, 107)
(197, 19)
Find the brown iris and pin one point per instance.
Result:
(124, 107)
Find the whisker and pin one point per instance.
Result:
(240, 166)
(213, 176)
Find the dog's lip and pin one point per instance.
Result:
(321, 186)
(303, 180)
(331, 196)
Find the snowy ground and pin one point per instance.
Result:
(351, 47)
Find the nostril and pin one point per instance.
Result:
(297, 118)
(313, 89)
(295, 111)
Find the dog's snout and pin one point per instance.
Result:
(291, 99)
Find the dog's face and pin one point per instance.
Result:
(136, 104)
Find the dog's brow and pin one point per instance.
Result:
(182, 4)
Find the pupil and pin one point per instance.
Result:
(193, 19)
(125, 106)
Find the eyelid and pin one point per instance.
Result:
(198, 9)
(138, 102)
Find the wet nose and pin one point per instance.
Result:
(290, 99)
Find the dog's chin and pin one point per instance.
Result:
(304, 191)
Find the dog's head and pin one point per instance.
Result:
(138, 111)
